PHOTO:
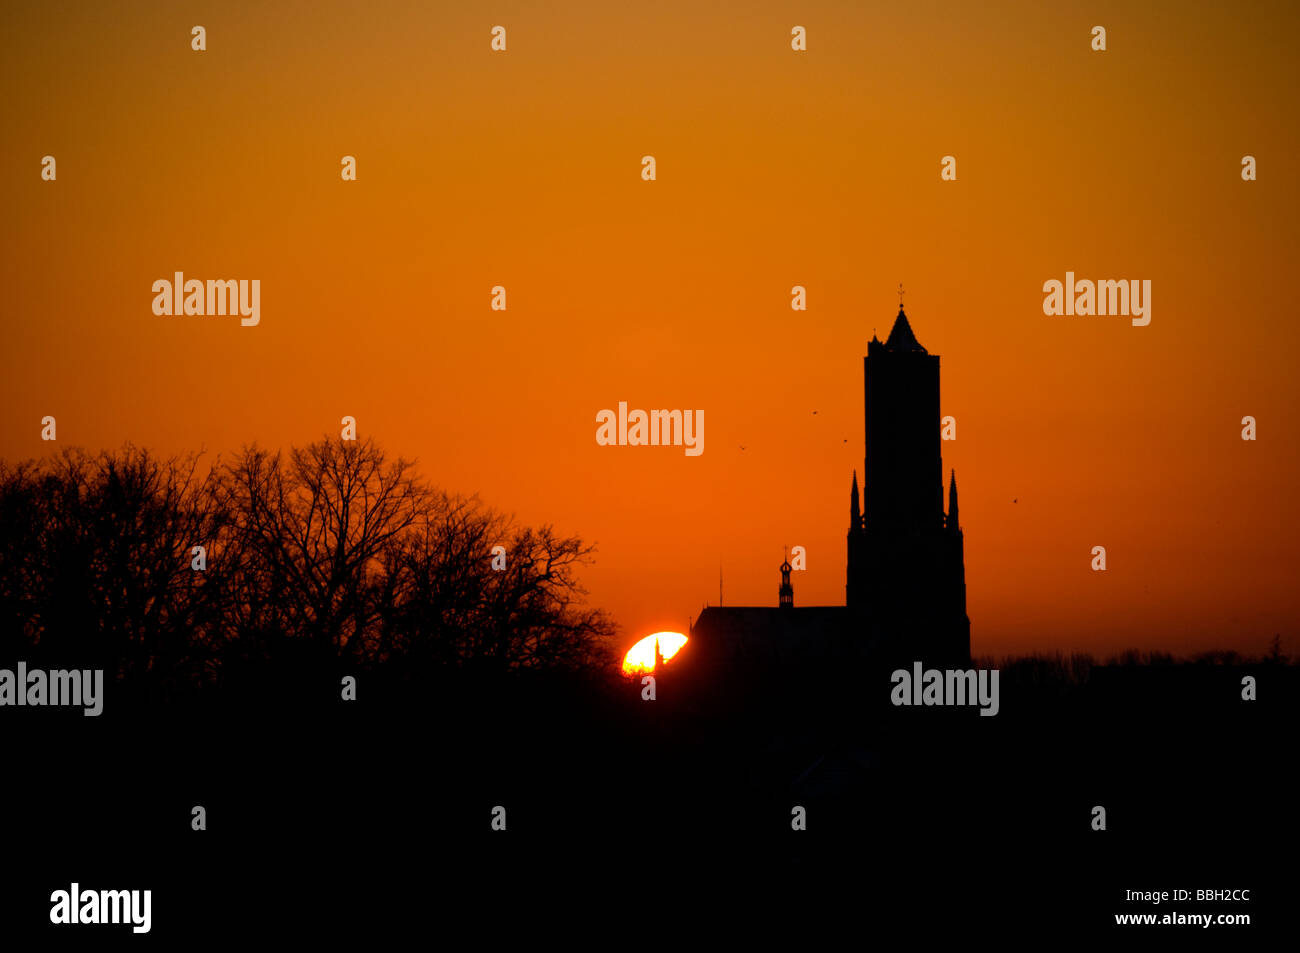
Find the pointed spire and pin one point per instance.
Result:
(855, 509)
(952, 503)
(901, 337)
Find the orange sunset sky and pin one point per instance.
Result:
(775, 169)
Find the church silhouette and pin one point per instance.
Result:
(905, 593)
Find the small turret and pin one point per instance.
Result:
(785, 596)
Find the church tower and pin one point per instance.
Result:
(906, 569)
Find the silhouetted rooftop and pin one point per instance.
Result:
(767, 632)
(902, 338)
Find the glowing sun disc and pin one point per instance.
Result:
(641, 657)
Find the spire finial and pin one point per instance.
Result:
(900, 296)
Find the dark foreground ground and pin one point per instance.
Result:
(630, 821)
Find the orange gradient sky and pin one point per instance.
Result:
(775, 168)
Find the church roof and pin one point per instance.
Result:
(757, 632)
(902, 338)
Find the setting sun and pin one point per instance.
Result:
(641, 657)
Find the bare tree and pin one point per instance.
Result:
(328, 553)
(449, 606)
(96, 568)
(309, 535)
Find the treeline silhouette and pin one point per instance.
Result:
(327, 555)
(1063, 673)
